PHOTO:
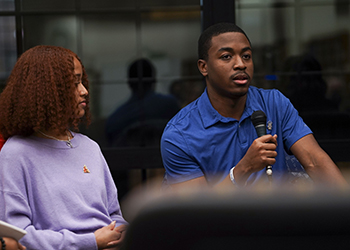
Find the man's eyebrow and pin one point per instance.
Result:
(246, 49)
(231, 50)
(225, 49)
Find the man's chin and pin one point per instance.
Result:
(239, 93)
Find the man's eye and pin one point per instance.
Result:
(226, 56)
(247, 56)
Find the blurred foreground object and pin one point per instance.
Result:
(315, 219)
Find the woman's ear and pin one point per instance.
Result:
(202, 66)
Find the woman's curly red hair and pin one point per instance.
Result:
(40, 93)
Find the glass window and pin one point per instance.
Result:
(58, 30)
(109, 58)
(249, 3)
(109, 44)
(170, 40)
(115, 5)
(8, 50)
(327, 38)
(107, 4)
(7, 5)
(272, 33)
(316, 2)
(166, 3)
(47, 5)
(303, 50)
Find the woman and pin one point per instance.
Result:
(54, 182)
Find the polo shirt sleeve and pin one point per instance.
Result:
(293, 126)
(178, 161)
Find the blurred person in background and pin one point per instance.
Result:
(140, 121)
(144, 109)
(306, 87)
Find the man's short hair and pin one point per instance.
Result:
(204, 41)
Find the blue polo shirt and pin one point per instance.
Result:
(198, 141)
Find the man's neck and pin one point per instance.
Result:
(229, 107)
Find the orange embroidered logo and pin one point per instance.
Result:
(85, 169)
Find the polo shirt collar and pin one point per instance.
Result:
(251, 104)
(210, 116)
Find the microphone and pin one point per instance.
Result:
(259, 121)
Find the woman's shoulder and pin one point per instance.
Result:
(16, 142)
(16, 148)
(85, 140)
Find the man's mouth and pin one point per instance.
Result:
(240, 78)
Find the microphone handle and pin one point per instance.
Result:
(261, 130)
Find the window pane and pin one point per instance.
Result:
(171, 42)
(8, 51)
(109, 44)
(107, 4)
(327, 38)
(246, 3)
(115, 5)
(112, 42)
(47, 5)
(7, 5)
(272, 34)
(50, 30)
(314, 26)
(164, 3)
(323, 1)
(303, 50)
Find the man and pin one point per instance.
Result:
(140, 121)
(212, 141)
(145, 109)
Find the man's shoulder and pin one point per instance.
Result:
(186, 113)
(262, 91)
(265, 95)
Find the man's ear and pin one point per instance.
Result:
(202, 66)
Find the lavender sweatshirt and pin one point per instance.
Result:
(59, 195)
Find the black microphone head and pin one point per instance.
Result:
(258, 118)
